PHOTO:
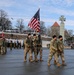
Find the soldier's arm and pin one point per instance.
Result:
(25, 43)
(52, 46)
(60, 46)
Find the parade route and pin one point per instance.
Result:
(13, 64)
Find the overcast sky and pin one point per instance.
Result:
(50, 10)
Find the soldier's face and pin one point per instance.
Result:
(34, 36)
(55, 38)
(29, 36)
(61, 38)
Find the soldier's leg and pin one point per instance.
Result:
(4, 51)
(10, 46)
(35, 54)
(30, 56)
(57, 59)
(1, 50)
(38, 50)
(50, 57)
(25, 54)
(63, 59)
(41, 54)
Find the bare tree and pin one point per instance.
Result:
(70, 32)
(48, 30)
(42, 27)
(5, 23)
(20, 25)
(55, 31)
(66, 34)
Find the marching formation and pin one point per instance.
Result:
(33, 44)
(56, 50)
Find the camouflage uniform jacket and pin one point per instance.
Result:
(60, 45)
(39, 42)
(28, 42)
(1, 41)
(35, 41)
(53, 46)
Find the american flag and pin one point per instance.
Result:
(35, 21)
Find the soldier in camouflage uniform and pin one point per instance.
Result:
(1, 43)
(2, 46)
(35, 41)
(28, 48)
(11, 45)
(53, 51)
(14, 44)
(39, 47)
(61, 50)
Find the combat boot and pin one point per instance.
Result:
(25, 59)
(58, 64)
(49, 64)
(63, 63)
(36, 60)
(30, 59)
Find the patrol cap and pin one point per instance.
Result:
(54, 36)
(34, 34)
(29, 34)
(60, 36)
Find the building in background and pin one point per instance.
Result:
(55, 29)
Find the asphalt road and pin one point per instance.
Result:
(12, 64)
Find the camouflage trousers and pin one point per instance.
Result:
(51, 54)
(26, 51)
(61, 54)
(10, 46)
(2, 50)
(39, 50)
(35, 52)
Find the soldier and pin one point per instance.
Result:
(1, 43)
(35, 40)
(53, 51)
(61, 50)
(20, 44)
(14, 44)
(17, 44)
(28, 45)
(11, 45)
(39, 47)
(4, 46)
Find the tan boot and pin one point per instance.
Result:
(30, 59)
(25, 59)
(36, 60)
(63, 63)
(58, 64)
(49, 64)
